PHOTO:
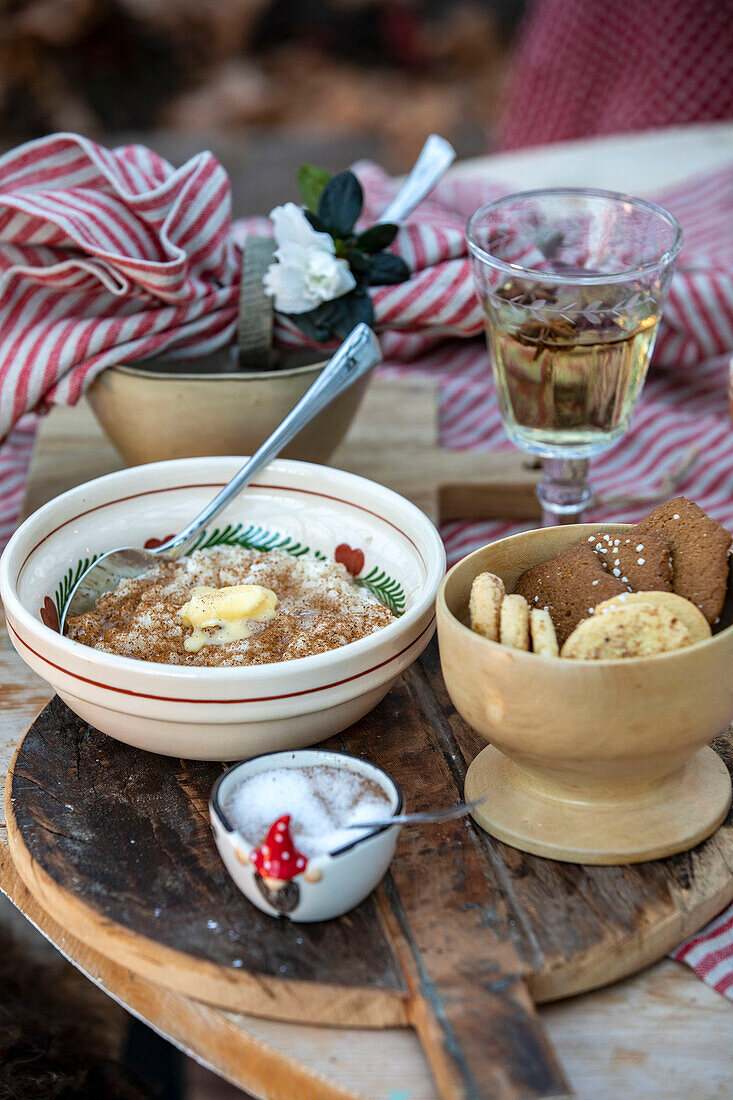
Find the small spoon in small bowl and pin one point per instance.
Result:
(358, 354)
(448, 813)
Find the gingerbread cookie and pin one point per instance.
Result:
(684, 610)
(644, 564)
(699, 552)
(632, 630)
(514, 622)
(569, 587)
(542, 632)
(487, 593)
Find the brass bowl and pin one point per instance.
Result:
(590, 761)
(162, 409)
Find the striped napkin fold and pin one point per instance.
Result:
(114, 255)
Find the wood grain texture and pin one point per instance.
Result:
(94, 834)
(579, 927)
(117, 844)
(217, 1039)
(472, 1009)
(464, 923)
(617, 1042)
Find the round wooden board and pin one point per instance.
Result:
(116, 845)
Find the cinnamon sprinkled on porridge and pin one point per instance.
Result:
(319, 607)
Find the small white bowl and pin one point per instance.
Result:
(342, 879)
(224, 713)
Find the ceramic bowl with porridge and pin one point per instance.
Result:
(328, 581)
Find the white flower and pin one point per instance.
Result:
(307, 271)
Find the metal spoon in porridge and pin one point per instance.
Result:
(357, 355)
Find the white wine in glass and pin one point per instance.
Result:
(570, 323)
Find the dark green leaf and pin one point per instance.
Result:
(348, 311)
(353, 308)
(311, 181)
(358, 262)
(315, 221)
(316, 324)
(377, 237)
(336, 318)
(340, 203)
(387, 268)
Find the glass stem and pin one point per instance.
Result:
(564, 492)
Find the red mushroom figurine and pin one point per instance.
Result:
(277, 860)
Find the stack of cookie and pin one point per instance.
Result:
(659, 587)
(509, 619)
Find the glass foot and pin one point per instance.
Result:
(564, 492)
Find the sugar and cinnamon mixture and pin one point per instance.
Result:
(322, 801)
(319, 608)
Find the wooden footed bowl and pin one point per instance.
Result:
(156, 411)
(590, 761)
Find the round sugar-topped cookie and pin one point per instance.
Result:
(633, 630)
(678, 606)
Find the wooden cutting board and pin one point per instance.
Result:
(393, 440)
(460, 938)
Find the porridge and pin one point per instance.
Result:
(232, 606)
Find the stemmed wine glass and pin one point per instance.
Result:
(572, 284)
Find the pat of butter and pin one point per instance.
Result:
(219, 615)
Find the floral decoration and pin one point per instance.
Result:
(324, 267)
(49, 615)
(153, 543)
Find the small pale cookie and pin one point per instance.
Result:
(544, 638)
(514, 622)
(487, 593)
(689, 615)
(637, 630)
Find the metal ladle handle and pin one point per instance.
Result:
(434, 161)
(357, 355)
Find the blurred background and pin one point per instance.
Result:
(385, 70)
(269, 80)
(266, 85)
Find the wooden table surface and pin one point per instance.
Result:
(661, 1034)
(622, 1041)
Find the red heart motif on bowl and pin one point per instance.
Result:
(49, 614)
(151, 544)
(352, 559)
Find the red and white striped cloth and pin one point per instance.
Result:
(108, 256)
